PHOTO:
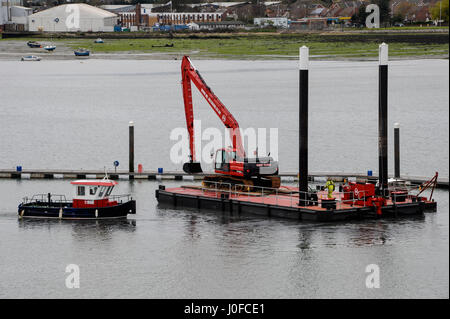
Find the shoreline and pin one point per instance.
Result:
(226, 33)
(15, 51)
(351, 45)
(150, 56)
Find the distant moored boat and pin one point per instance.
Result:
(99, 40)
(81, 52)
(31, 58)
(49, 47)
(34, 44)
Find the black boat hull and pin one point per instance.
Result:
(66, 211)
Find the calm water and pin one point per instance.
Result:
(160, 253)
(72, 114)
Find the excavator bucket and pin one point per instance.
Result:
(192, 168)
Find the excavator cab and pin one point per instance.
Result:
(222, 162)
(223, 159)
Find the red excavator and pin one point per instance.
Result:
(231, 165)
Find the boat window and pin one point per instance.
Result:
(80, 191)
(108, 192)
(92, 190)
(102, 190)
(219, 159)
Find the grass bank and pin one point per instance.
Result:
(343, 46)
(269, 46)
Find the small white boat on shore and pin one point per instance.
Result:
(49, 48)
(99, 40)
(31, 58)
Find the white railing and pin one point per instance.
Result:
(45, 198)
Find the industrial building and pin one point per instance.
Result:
(72, 18)
(281, 22)
(12, 13)
(220, 25)
(188, 17)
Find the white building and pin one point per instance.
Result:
(276, 22)
(193, 26)
(19, 14)
(187, 17)
(72, 18)
(5, 10)
(220, 25)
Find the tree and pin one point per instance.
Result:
(402, 11)
(398, 18)
(384, 10)
(436, 11)
(360, 16)
(404, 8)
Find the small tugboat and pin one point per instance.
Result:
(99, 40)
(92, 200)
(49, 47)
(31, 58)
(81, 52)
(34, 44)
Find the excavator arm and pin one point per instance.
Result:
(190, 74)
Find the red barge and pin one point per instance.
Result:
(240, 183)
(355, 201)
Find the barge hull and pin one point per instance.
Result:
(177, 199)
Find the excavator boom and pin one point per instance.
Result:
(190, 74)
(231, 165)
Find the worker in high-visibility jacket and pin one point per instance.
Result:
(330, 187)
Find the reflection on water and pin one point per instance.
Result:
(81, 229)
(240, 230)
(191, 231)
(375, 234)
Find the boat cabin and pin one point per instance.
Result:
(93, 193)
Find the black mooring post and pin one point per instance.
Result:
(131, 147)
(303, 127)
(397, 150)
(383, 118)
